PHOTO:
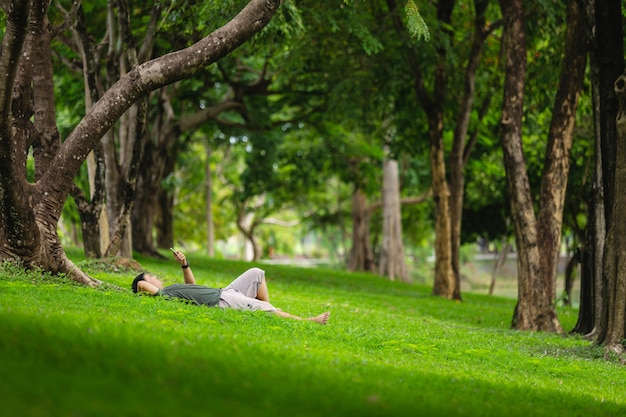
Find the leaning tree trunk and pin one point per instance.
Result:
(29, 213)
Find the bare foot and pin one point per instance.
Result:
(321, 319)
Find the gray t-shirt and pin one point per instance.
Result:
(199, 294)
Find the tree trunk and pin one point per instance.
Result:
(592, 254)
(461, 148)
(603, 292)
(29, 213)
(247, 226)
(446, 283)
(164, 219)
(514, 40)
(538, 240)
(92, 210)
(569, 278)
(159, 161)
(497, 266)
(361, 255)
(557, 158)
(146, 204)
(392, 263)
(608, 54)
(615, 246)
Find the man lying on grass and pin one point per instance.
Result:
(247, 292)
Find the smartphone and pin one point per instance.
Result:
(172, 249)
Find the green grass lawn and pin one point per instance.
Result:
(390, 349)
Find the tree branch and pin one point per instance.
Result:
(148, 77)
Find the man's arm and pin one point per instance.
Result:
(145, 286)
(187, 273)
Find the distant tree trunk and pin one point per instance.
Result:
(92, 213)
(120, 167)
(92, 210)
(585, 322)
(164, 219)
(446, 283)
(570, 271)
(461, 147)
(392, 263)
(152, 213)
(498, 264)
(361, 255)
(210, 227)
(159, 160)
(247, 226)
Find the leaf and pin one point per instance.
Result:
(415, 24)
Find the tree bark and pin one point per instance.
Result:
(208, 189)
(538, 239)
(446, 284)
(615, 246)
(592, 253)
(361, 256)
(497, 266)
(392, 263)
(461, 148)
(448, 193)
(159, 160)
(601, 316)
(557, 158)
(514, 40)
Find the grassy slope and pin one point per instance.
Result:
(389, 349)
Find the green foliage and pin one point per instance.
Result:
(415, 24)
(390, 349)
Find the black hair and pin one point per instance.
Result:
(138, 278)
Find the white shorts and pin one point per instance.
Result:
(241, 293)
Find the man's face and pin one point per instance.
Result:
(152, 279)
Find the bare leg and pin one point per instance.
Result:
(321, 319)
(263, 293)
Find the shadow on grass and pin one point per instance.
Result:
(123, 369)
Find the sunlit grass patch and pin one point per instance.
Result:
(389, 349)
